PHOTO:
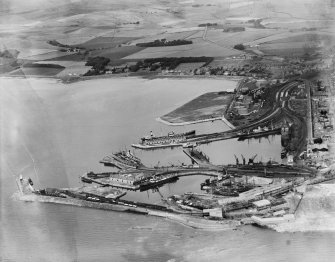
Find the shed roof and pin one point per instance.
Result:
(261, 203)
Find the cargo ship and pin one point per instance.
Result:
(122, 160)
(170, 140)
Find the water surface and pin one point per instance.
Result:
(64, 130)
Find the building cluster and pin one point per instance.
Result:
(117, 179)
(260, 199)
(255, 71)
(322, 146)
(247, 99)
(124, 68)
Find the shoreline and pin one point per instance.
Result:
(223, 119)
(71, 80)
(159, 119)
(189, 221)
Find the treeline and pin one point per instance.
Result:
(164, 42)
(234, 29)
(98, 65)
(239, 47)
(56, 43)
(207, 24)
(169, 63)
(30, 65)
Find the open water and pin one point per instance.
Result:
(53, 132)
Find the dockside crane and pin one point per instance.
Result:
(237, 161)
(251, 160)
(243, 159)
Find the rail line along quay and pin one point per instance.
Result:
(273, 119)
(235, 193)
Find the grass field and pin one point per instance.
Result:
(290, 51)
(308, 37)
(231, 39)
(46, 56)
(117, 53)
(77, 69)
(105, 42)
(72, 57)
(222, 62)
(197, 49)
(71, 67)
(187, 67)
(206, 106)
(40, 71)
(103, 26)
(292, 45)
(167, 36)
(287, 37)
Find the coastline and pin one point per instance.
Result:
(159, 119)
(189, 221)
(71, 80)
(230, 125)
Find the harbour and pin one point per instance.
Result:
(167, 131)
(94, 151)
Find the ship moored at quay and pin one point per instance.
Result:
(190, 139)
(170, 140)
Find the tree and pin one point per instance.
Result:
(98, 63)
(239, 47)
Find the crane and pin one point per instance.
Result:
(243, 159)
(251, 160)
(237, 162)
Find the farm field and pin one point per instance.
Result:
(206, 106)
(187, 67)
(287, 52)
(74, 40)
(307, 38)
(46, 56)
(28, 53)
(296, 22)
(41, 71)
(105, 42)
(231, 39)
(197, 35)
(167, 36)
(68, 57)
(221, 62)
(111, 30)
(77, 68)
(197, 49)
(291, 37)
(293, 45)
(71, 67)
(116, 53)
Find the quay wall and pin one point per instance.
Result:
(197, 223)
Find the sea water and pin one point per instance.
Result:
(55, 132)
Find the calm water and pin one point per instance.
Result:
(66, 129)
